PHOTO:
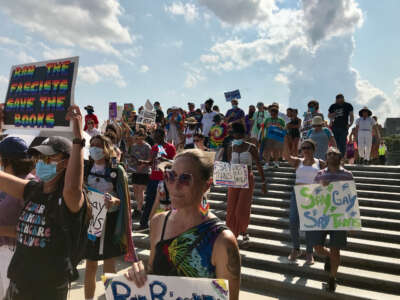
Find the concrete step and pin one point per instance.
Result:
(265, 209)
(283, 222)
(356, 173)
(252, 263)
(260, 200)
(388, 185)
(284, 192)
(367, 168)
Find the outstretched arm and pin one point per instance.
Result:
(73, 186)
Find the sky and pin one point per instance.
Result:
(174, 51)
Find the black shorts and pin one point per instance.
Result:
(140, 178)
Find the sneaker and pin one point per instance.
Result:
(331, 284)
(327, 266)
(245, 240)
(276, 164)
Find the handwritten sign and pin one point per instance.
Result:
(229, 96)
(332, 207)
(168, 287)
(39, 94)
(276, 133)
(128, 108)
(99, 212)
(231, 175)
(112, 110)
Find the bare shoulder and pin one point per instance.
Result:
(156, 224)
(226, 240)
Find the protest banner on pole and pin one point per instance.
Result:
(332, 207)
(147, 116)
(99, 213)
(39, 94)
(128, 108)
(167, 287)
(230, 175)
(229, 96)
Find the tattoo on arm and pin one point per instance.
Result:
(233, 265)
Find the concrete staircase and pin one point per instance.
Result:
(370, 267)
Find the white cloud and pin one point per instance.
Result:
(207, 58)
(325, 19)
(90, 24)
(281, 78)
(98, 73)
(3, 86)
(55, 53)
(4, 40)
(241, 11)
(188, 10)
(3, 79)
(193, 76)
(144, 69)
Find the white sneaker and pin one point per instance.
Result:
(276, 164)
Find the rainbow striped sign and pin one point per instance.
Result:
(39, 94)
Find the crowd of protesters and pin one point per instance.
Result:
(169, 163)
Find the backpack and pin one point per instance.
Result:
(110, 175)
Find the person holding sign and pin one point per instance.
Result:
(41, 267)
(306, 170)
(103, 177)
(239, 199)
(186, 242)
(337, 239)
(274, 130)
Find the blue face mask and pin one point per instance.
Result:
(234, 106)
(46, 172)
(237, 142)
(96, 153)
(311, 109)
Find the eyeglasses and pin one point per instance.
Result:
(306, 148)
(183, 179)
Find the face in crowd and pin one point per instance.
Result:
(189, 179)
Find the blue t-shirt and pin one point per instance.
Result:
(321, 139)
(234, 114)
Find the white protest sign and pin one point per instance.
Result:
(231, 175)
(168, 287)
(99, 212)
(146, 117)
(332, 207)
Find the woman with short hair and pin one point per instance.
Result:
(307, 168)
(188, 241)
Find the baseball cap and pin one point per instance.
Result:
(13, 147)
(317, 121)
(54, 145)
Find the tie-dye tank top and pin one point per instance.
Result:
(196, 263)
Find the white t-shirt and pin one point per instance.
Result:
(99, 183)
(93, 132)
(189, 133)
(365, 124)
(207, 122)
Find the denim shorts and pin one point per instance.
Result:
(337, 238)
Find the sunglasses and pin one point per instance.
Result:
(306, 148)
(183, 179)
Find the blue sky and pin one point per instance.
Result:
(178, 51)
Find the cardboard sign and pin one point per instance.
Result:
(112, 110)
(120, 109)
(229, 96)
(128, 108)
(168, 287)
(99, 213)
(39, 94)
(230, 175)
(332, 207)
(276, 133)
